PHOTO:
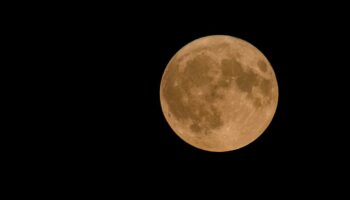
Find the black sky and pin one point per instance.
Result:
(108, 65)
(303, 134)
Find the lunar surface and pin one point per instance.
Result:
(219, 93)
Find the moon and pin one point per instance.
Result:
(219, 93)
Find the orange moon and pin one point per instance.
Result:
(219, 93)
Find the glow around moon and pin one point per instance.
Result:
(219, 93)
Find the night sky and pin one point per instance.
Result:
(106, 73)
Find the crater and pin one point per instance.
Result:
(198, 110)
(206, 121)
(246, 81)
(230, 68)
(197, 71)
(262, 65)
(214, 120)
(173, 97)
(213, 94)
(195, 128)
(257, 102)
(220, 46)
(266, 87)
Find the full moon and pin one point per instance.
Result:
(219, 93)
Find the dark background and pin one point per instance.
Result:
(304, 142)
(98, 71)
